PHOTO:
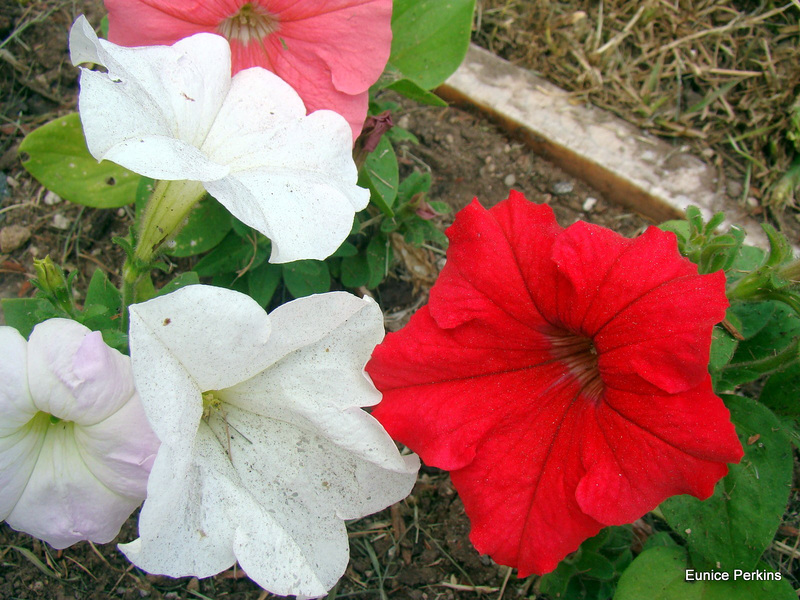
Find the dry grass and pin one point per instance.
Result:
(722, 75)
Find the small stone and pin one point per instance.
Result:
(734, 189)
(450, 139)
(510, 180)
(61, 222)
(562, 187)
(588, 204)
(13, 237)
(51, 198)
(120, 212)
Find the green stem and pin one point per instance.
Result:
(164, 215)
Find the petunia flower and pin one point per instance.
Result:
(75, 446)
(561, 376)
(174, 113)
(265, 450)
(330, 52)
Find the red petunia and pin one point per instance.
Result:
(561, 376)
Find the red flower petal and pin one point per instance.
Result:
(561, 376)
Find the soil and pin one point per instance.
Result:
(417, 549)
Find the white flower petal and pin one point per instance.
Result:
(120, 450)
(63, 502)
(270, 486)
(73, 375)
(318, 380)
(183, 524)
(292, 177)
(196, 339)
(19, 451)
(154, 107)
(16, 405)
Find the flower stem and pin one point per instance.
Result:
(164, 215)
(161, 220)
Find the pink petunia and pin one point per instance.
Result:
(329, 52)
(561, 376)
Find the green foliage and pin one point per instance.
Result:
(430, 38)
(306, 277)
(233, 255)
(57, 156)
(700, 243)
(207, 225)
(771, 332)
(380, 174)
(592, 572)
(24, 313)
(732, 529)
(660, 574)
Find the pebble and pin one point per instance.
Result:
(51, 198)
(589, 203)
(61, 222)
(562, 187)
(13, 237)
(510, 180)
(734, 189)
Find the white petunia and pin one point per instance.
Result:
(174, 113)
(75, 446)
(265, 449)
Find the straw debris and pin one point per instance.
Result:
(721, 75)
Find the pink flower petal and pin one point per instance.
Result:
(330, 52)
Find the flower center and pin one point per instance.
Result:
(211, 404)
(251, 23)
(580, 356)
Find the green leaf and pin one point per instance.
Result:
(723, 345)
(430, 38)
(679, 227)
(747, 259)
(780, 392)
(263, 281)
(379, 259)
(769, 350)
(182, 280)
(232, 281)
(208, 224)
(56, 155)
(658, 540)
(380, 175)
(415, 183)
(411, 90)
(102, 307)
(751, 317)
(231, 255)
(554, 584)
(102, 292)
(732, 529)
(597, 566)
(355, 271)
(24, 313)
(306, 277)
(660, 574)
(346, 249)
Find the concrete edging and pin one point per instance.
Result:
(630, 167)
